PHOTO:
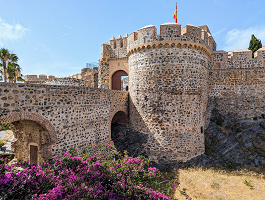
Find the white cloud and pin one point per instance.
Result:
(67, 26)
(239, 39)
(218, 32)
(11, 32)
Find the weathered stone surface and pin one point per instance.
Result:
(176, 79)
(128, 139)
(236, 141)
(71, 115)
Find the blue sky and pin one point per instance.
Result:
(58, 37)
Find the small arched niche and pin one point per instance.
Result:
(34, 144)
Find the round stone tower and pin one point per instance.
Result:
(168, 86)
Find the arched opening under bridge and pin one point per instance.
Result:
(126, 139)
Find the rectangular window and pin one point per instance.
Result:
(201, 129)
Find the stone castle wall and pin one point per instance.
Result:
(175, 80)
(167, 84)
(71, 115)
(236, 83)
(168, 93)
(90, 76)
(87, 77)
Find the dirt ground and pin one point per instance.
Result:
(215, 183)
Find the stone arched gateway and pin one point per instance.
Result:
(124, 138)
(119, 121)
(35, 144)
(113, 117)
(116, 79)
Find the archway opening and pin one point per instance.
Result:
(119, 81)
(34, 145)
(125, 138)
(118, 127)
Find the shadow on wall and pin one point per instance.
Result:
(136, 143)
(126, 139)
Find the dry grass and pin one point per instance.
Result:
(219, 184)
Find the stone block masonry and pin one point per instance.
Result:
(61, 115)
(236, 83)
(168, 91)
(168, 86)
(176, 78)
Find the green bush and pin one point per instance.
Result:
(87, 176)
(230, 165)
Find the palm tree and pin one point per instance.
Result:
(12, 69)
(1, 78)
(14, 72)
(4, 55)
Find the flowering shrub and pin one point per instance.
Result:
(2, 148)
(89, 176)
(8, 126)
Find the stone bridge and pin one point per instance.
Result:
(53, 117)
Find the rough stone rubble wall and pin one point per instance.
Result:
(103, 73)
(34, 134)
(78, 115)
(168, 87)
(236, 85)
(66, 81)
(168, 93)
(90, 76)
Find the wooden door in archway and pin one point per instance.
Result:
(116, 79)
(33, 154)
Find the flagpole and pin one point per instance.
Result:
(175, 13)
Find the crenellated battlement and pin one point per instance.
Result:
(241, 59)
(120, 47)
(175, 79)
(33, 78)
(116, 48)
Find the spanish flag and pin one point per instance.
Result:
(175, 14)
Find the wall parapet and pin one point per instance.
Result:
(170, 44)
(168, 32)
(72, 115)
(239, 59)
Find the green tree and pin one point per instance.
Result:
(14, 72)
(254, 45)
(4, 55)
(10, 66)
(1, 73)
